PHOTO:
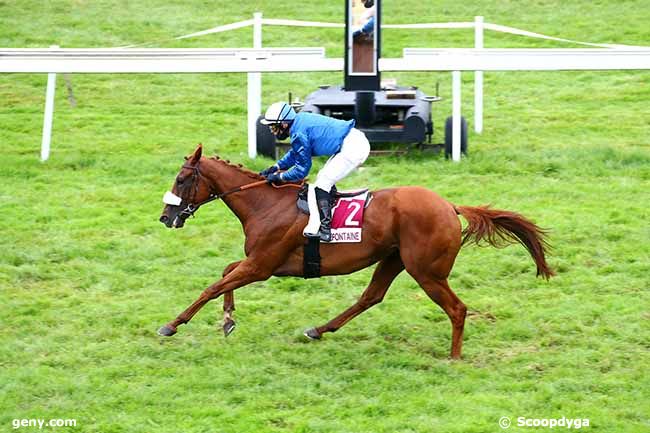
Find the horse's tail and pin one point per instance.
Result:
(501, 227)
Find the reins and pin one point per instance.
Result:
(192, 208)
(249, 186)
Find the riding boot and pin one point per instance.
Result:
(325, 210)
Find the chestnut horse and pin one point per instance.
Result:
(408, 228)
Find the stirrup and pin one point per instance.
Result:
(325, 237)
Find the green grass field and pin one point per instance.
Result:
(87, 273)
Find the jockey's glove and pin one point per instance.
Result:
(274, 178)
(270, 170)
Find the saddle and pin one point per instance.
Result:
(335, 194)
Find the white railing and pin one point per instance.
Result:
(181, 60)
(489, 59)
(515, 59)
(257, 59)
(120, 60)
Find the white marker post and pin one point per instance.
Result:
(478, 78)
(254, 90)
(49, 113)
(455, 112)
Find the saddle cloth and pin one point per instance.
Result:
(347, 218)
(347, 214)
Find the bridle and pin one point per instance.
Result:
(192, 207)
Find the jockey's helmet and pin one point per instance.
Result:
(278, 113)
(279, 117)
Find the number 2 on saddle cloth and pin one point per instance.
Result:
(347, 217)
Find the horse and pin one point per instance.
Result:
(405, 228)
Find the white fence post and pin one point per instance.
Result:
(254, 90)
(455, 112)
(49, 113)
(478, 78)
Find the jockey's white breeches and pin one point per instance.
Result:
(354, 152)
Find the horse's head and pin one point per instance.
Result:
(189, 191)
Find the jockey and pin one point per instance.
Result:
(315, 135)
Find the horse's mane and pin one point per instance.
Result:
(238, 167)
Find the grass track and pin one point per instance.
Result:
(87, 274)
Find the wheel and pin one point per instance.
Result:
(266, 143)
(449, 135)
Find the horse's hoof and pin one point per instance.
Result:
(167, 331)
(228, 327)
(312, 334)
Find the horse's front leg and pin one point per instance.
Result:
(245, 273)
(229, 303)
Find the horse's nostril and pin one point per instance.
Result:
(164, 219)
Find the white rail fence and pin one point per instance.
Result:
(256, 60)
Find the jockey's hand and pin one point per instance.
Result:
(274, 178)
(269, 170)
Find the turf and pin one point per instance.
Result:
(87, 274)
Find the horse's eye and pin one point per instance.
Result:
(180, 180)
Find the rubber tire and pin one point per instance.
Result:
(266, 143)
(449, 135)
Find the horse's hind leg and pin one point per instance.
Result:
(429, 259)
(229, 303)
(440, 293)
(384, 274)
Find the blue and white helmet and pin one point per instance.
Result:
(278, 113)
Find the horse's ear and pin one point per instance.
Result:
(197, 154)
